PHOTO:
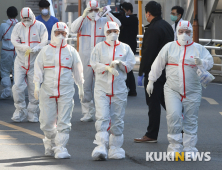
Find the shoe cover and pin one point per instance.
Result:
(19, 115)
(48, 144)
(6, 93)
(189, 143)
(60, 151)
(102, 140)
(33, 110)
(175, 141)
(100, 153)
(115, 150)
(87, 118)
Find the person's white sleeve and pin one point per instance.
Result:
(207, 59)
(111, 17)
(39, 67)
(77, 24)
(43, 38)
(95, 61)
(16, 40)
(77, 68)
(1, 32)
(129, 63)
(159, 64)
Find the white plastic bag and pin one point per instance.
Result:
(205, 77)
(100, 14)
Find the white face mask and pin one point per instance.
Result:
(59, 39)
(45, 12)
(92, 15)
(27, 23)
(184, 39)
(112, 37)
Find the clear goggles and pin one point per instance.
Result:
(62, 32)
(181, 31)
(112, 31)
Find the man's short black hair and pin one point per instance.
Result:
(179, 9)
(44, 4)
(128, 6)
(154, 8)
(12, 12)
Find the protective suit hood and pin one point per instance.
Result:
(185, 39)
(93, 5)
(56, 41)
(111, 38)
(27, 12)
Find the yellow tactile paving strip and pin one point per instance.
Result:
(30, 132)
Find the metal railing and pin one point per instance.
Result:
(72, 39)
(208, 41)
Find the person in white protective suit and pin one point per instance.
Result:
(90, 32)
(29, 37)
(182, 89)
(57, 66)
(111, 60)
(7, 52)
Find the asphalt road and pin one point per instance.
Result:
(21, 145)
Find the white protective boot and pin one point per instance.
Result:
(100, 152)
(175, 145)
(33, 110)
(20, 113)
(49, 144)
(189, 144)
(115, 144)
(88, 111)
(60, 150)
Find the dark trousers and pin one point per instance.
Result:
(154, 102)
(130, 82)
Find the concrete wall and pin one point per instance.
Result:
(19, 4)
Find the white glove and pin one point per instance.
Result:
(27, 52)
(149, 88)
(114, 63)
(36, 92)
(198, 61)
(81, 92)
(35, 49)
(122, 67)
(112, 70)
(86, 12)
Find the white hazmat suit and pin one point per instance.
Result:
(111, 60)
(57, 66)
(26, 36)
(90, 32)
(7, 57)
(182, 90)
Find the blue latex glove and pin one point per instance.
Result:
(139, 80)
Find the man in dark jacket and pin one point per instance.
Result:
(128, 35)
(157, 34)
